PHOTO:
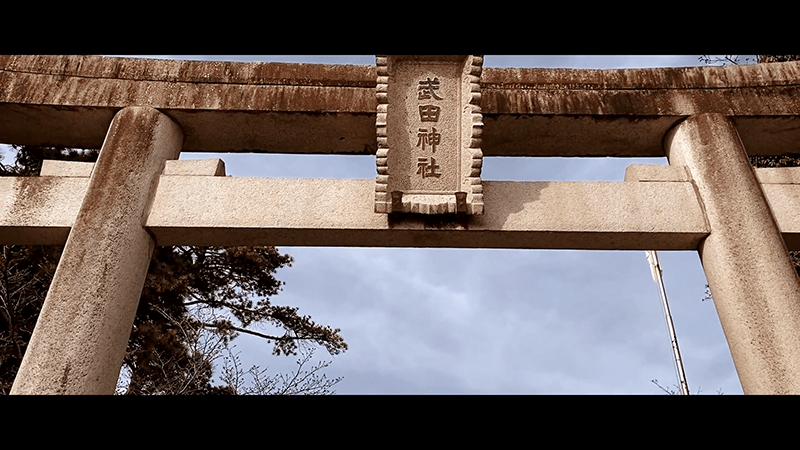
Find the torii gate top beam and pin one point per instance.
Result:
(707, 119)
(308, 108)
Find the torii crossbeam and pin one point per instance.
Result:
(143, 113)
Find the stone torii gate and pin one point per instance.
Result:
(143, 113)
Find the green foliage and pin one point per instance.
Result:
(194, 301)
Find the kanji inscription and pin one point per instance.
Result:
(429, 128)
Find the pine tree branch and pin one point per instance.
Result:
(245, 330)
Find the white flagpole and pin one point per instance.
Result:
(655, 269)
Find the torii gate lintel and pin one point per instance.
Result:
(705, 120)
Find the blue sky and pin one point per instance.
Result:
(456, 321)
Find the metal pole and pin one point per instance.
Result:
(655, 267)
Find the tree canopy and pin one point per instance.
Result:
(194, 302)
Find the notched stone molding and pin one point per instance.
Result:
(429, 129)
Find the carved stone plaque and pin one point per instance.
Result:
(429, 127)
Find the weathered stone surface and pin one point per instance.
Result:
(307, 108)
(707, 120)
(55, 168)
(82, 331)
(195, 167)
(429, 129)
(210, 211)
(652, 172)
(41, 210)
(191, 167)
(755, 287)
(70, 100)
(781, 186)
(229, 72)
(778, 175)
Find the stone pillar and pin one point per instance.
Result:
(754, 285)
(80, 338)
